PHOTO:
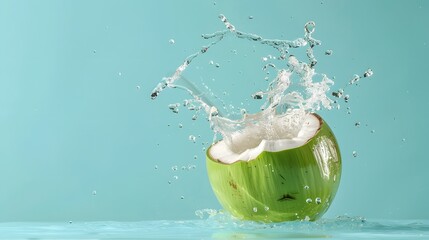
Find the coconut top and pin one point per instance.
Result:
(254, 146)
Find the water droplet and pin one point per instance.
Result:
(328, 52)
(192, 138)
(346, 98)
(194, 117)
(184, 168)
(176, 177)
(357, 124)
(250, 17)
(308, 200)
(171, 41)
(217, 65)
(306, 187)
(180, 125)
(195, 156)
(174, 107)
(355, 79)
(266, 208)
(94, 192)
(169, 182)
(182, 197)
(94, 51)
(255, 209)
(368, 73)
(354, 154)
(338, 93)
(70, 222)
(174, 168)
(138, 87)
(403, 139)
(309, 27)
(156, 166)
(318, 200)
(192, 167)
(307, 218)
(372, 131)
(119, 73)
(264, 59)
(257, 95)
(349, 112)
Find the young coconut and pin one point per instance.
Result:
(278, 180)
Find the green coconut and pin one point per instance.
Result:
(294, 183)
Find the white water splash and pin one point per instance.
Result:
(281, 105)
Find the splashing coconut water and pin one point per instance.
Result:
(283, 162)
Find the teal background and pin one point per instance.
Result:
(72, 120)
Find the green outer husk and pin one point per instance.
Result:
(274, 184)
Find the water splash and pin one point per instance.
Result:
(281, 104)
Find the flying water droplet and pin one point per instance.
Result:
(257, 95)
(328, 52)
(338, 93)
(308, 200)
(255, 209)
(192, 167)
(346, 98)
(94, 193)
(357, 124)
(180, 125)
(354, 154)
(266, 208)
(309, 27)
(174, 107)
(306, 187)
(171, 41)
(174, 168)
(182, 197)
(156, 167)
(176, 177)
(250, 17)
(368, 73)
(355, 79)
(318, 200)
(192, 138)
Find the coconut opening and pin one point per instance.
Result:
(251, 146)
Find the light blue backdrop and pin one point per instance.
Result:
(80, 141)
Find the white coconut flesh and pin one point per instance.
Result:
(224, 153)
